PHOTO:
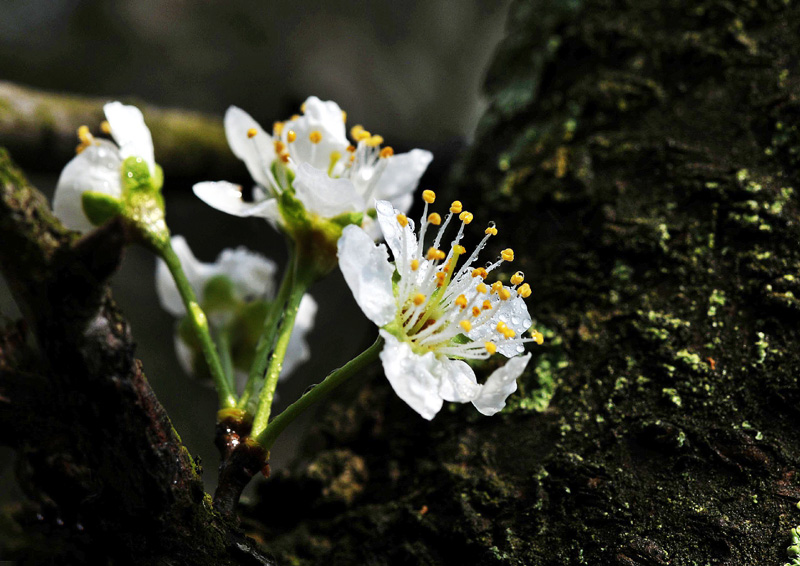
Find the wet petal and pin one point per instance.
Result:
(458, 382)
(323, 195)
(393, 233)
(412, 376)
(501, 384)
(130, 132)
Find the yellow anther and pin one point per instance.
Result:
(466, 325)
(79, 148)
(537, 336)
(465, 217)
(414, 264)
(491, 230)
(291, 135)
(85, 135)
(105, 127)
(284, 157)
(303, 108)
(356, 131)
(280, 147)
(461, 301)
(517, 278)
(251, 133)
(481, 288)
(486, 305)
(480, 272)
(490, 347)
(456, 207)
(344, 116)
(496, 286)
(428, 196)
(507, 254)
(364, 135)
(501, 326)
(374, 141)
(315, 136)
(509, 333)
(294, 117)
(504, 294)
(524, 291)
(433, 254)
(459, 249)
(387, 152)
(402, 219)
(277, 128)
(351, 148)
(476, 311)
(434, 218)
(419, 298)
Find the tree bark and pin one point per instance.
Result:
(641, 157)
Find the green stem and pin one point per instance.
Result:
(199, 323)
(267, 339)
(225, 356)
(267, 438)
(298, 288)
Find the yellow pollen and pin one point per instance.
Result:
(315, 136)
(509, 333)
(466, 325)
(356, 131)
(480, 272)
(284, 157)
(294, 117)
(414, 264)
(84, 135)
(277, 128)
(434, 218)
(490, 347)
(487, 305)
(456, 207)
(279, 146)
(507, 254)
(517, 278)
(352, 157)
(481, 288)
(537, 336)
(496, 286)
(447, 267)
(428, 196)
(491, 230)
(105, 127)
(387, 152)
(524, 291)
(458, 249)
(504, 294)
(461, 301)
(476, 311)
(344, 116)
(303, 108)
(419, 298)
(433, 253)
(351, 148)
(465, 217)
(291, 135)
(364, 135)
(251, 133)
(402, 219)
(374, 141)
(79, 148)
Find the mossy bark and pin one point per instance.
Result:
(641, 157)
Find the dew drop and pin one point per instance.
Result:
(514, 320)
(526, 323)
(520, 348)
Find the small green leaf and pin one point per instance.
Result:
(100, 207)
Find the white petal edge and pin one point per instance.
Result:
(501, 384)
(323, 195)
(227, 197)
(412, 376)
(368, 273)
(257, 152)
(97, 168)
(393, 232)
(402, 174)
(130, 132)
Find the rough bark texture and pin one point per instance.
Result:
(107, 476)
(642, 159)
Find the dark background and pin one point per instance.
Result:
(410, 71)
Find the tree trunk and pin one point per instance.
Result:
(641, 157)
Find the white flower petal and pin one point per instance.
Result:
(393, 232)
(458, 383)
(402, 174)
(252, 274)
(514, 313)
(412, 376)
(96, 168)
(323, 195)
(196, 272)
(324, 118)
(298, 351)
(368, 273)
(501, 384)
(130, 132)
(257, 152)
(227, 197)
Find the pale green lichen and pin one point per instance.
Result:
(717, 299)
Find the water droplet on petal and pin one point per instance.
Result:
(520, 348)
(526, 323)
(515, 320)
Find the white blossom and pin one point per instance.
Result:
(98, 165)
(331, 175)
(251, 277)
(435, 315)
